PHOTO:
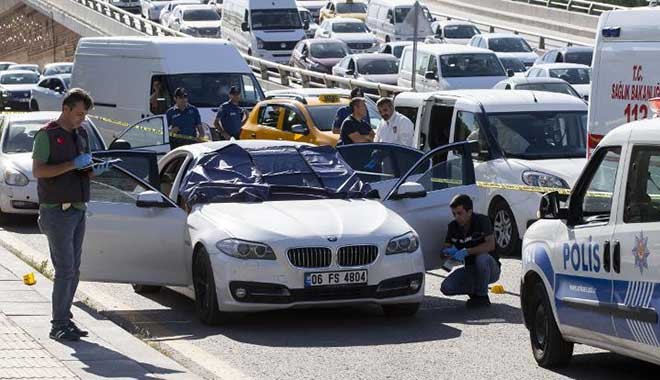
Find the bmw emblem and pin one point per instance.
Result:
(283, 45)
(332, 238)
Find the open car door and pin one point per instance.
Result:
(134, 233)
(151, 133)
(141, 163)
(423, 194)
(381, 165)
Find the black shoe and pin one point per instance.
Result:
(477, 302)
(77, 330)
(63, 333)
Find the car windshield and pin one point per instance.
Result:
(67, 81)
(560, 88)
(512, 63)
(349, 27)
(19, 136)
(400, 14)
(275, 173)
(378, 66)
(306, 16)
(572, 75)
(351, 8)
(27, 78)
(212, 89)
(581, 57)
(509, 45)
(200, 15)
(398, 50)
(470, 65)
(271, 19)
(57, 70)
(540, 135)
(460, 31)
(24, 67)
(325, 50)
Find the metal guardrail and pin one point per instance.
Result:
(588, 7)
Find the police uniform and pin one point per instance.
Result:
(186, 120)
(479, 270)
(231, 118)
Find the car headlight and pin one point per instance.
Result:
(406, 243)
(243, 249)
(260, 43)
(15, 178)
(534, 178)
(5, 93)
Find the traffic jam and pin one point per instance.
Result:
(249, 199)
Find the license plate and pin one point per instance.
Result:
(350, 277)
(24, 100)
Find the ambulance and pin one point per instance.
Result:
(591, 270)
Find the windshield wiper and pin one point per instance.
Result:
(340, 189)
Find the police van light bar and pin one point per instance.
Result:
(654, 105)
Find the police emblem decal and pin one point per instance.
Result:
(641, 252)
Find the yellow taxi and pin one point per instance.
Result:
(306, 117)
(344, 8)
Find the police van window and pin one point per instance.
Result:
(595, 199)
(409, 112)
(642, 203)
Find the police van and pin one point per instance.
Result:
(591, 270)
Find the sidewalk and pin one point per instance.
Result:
(26, 351)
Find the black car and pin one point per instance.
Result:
(573, 54)
(16, 89)
(318, 54)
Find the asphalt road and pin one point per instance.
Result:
(444, 340)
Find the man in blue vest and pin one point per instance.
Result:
(184, 121)
(231, 116)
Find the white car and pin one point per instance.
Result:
(538, 84)
(57, 68)
(371, 67)
(15, 89)
(4, 65)
(453, 32)
(506, 44)
(25, 67)
(262, 225)
(48, 93)
(394, 47)
(352, 31)
(579, 76)
(18, 188)
(150, 9)
(196, 20)
(167, 10)
(308, 22)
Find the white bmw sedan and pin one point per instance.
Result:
(254, 225)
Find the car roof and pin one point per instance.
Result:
(185, 7)
(500, 35)
(399, 43)
(345, 19)
(310, 91)
(561, 65)
(642, 131)
(6, 72)
(26, 64)
(520, 80)
(326, 40)
(449, 49)
(576, 49)
(58, 64)
(28, 116)
(59, 76)
(201, 148)
(455, 22)
(372, 56)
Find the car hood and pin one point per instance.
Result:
(327, 62)
(458, 41)
(568, 169)
(459, 83)
(17, 87)
(527, 58)
(280, 220)
(582, 89)
(202, 24)
(355, 37)
(382, 78)
(359, 16)
(22, 162)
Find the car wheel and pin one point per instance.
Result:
(401, 309)
(145, 289)
(206, 300)
(34, 106)
(507, 240)
(548, 346)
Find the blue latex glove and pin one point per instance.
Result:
(82, 160)
(460, 255)
(450, 251)
(101, 168)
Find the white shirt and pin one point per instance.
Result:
(397, 130)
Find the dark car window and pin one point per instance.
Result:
(460, 31)
(470, 65)
(200, 15)
(19, 78)
(513, 63)
(583, 58)
(509, 45)
(349, 27)
(560, 88)
(572, 75)
(379, 162)
(325, 50)
(351, 8)
(378, 66)
(20, 134)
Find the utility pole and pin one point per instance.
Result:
(414, 57)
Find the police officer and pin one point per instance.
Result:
(354, 129)
(230, 116)
(61, 156)
(470, 240)
(345, 111)
(184, 121)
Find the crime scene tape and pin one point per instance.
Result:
(155, 131)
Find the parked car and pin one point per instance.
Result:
(18, 189)
(343, 9)
(57, 68)
(318, 54)
(308, 21)
(538, 84)
(27, 66)
(512, 64)
(283, 193)
(395, 48)
(130, 6)
(217, 4)
(151, 9)
(392, 20)
(196, 20)
(570, 54)
(48, 93)
(167, 10)
(506, 44)
(4, 65)
(314, 6)
(579, 76)
(352, 31)
(371, 67)
(15, 89)
(453, 32)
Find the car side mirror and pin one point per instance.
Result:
(430, 75)
(151, 199)
(410, 190)
(120, 145)
(350, 72)
(510, 73)
(59, 90)
(549, 207)
(245, 27)
(299, 129)
(306, 25)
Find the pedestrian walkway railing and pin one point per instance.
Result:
(588, 7)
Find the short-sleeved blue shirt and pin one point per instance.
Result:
(231, 118)
(186, 119)
(343, 113)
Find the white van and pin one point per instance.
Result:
(119, 73)
(393, 20)
(267, 29)
(450, 67)
(526, 138)
(625, 72)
